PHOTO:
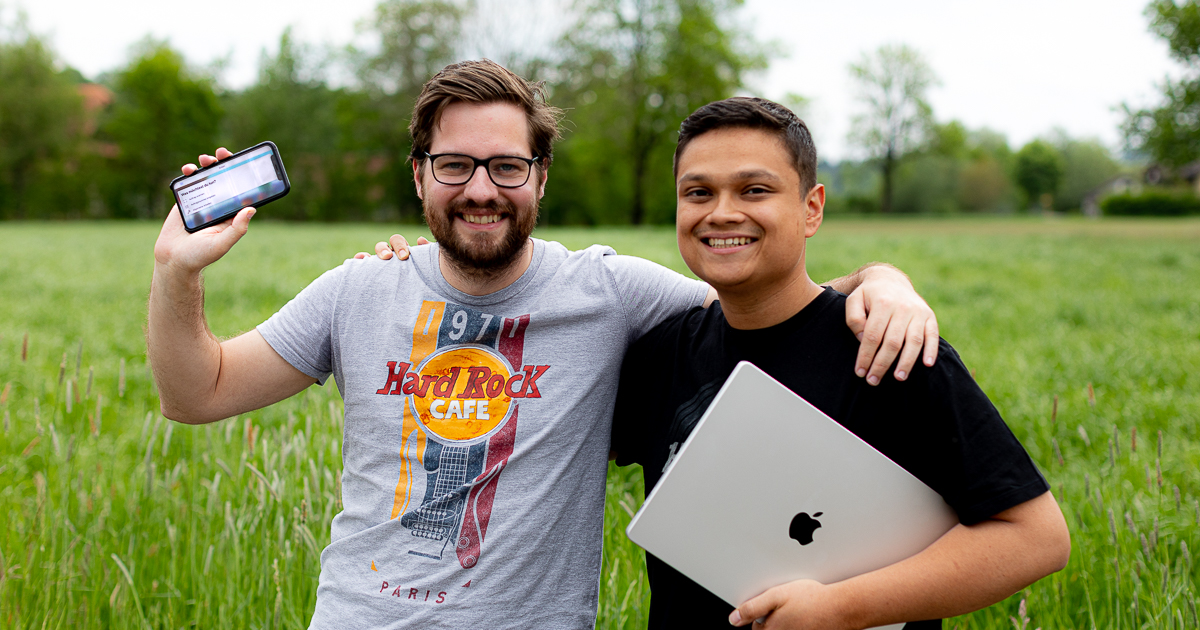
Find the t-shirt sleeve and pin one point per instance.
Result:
(302, 331)
(650, 293)
(992, 471)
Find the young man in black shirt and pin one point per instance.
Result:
(747, 201)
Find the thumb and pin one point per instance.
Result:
(237, 229)
(856, 313)
(755, 608)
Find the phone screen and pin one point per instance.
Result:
(209, 196)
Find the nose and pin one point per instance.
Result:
(480, 188)
(725, 211)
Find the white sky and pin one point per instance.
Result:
(1022, 67)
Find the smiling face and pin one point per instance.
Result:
(479, 226)
(742, 216)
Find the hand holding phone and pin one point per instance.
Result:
(179, 252)
(212, 194)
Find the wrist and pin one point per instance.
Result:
(884, 271)
(174, 280)
(843, 606)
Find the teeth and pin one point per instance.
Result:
(728, 242)
(481, 219)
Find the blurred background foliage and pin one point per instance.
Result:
(627, 72)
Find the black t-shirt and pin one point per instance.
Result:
(938, 425)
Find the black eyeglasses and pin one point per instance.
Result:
(505, 171)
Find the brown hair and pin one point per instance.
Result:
(484, 81)
(755, 113)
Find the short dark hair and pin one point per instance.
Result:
(755, 113)
(481, 82)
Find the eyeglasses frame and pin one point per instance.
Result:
(485, 163)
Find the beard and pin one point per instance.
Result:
(482, 255)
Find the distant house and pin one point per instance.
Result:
(1190, 173)
(1119, 185)
(96, 98)
(1153, 175)
(1160, 175)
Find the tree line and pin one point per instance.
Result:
(626, 71)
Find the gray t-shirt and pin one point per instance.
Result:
(476, 435)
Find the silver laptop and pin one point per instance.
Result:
(768, 489)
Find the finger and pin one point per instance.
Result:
(400, 244)
(914, 343)
(207, 159)
(421, 240)
(856, 315)
(188, 169)
(237, 229)
(931, 341)
(383, 251)
(889, 349)
(223, 153)
(361, 255)
(755, 608)
(872, 337)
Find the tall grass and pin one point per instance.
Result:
(1085, 335)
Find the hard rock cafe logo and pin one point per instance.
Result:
(463, 393)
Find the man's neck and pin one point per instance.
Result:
(476, 281)
(762, 308)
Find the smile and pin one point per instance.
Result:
(721, 243)
(482, 219)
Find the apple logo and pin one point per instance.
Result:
(803, 526)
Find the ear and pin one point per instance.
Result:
(814, 206)
(416, 166)
(545, 172)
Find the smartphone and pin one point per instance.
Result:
(253, 177)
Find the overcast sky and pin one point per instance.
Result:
(1022, 67)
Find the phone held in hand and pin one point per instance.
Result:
(253, 177)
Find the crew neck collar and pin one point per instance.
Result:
(799, 320)
(425, 260)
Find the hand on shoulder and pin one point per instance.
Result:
(397, 244)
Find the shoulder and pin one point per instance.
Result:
(949, 374)
(682, 330)
(602, 256)
(374, 269)
(555, 257)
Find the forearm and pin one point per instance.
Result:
(184, 354)
(965, 570)
(848, 283)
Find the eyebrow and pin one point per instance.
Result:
(740, 175)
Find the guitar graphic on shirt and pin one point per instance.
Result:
(459, 420)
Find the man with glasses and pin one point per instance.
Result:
(478, 378)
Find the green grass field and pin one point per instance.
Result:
(1085, 334)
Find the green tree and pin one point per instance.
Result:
(292, 105)
(1170, 132)
(40, 115)
(632, 70)
(411, 41)
(985, 181)
(164, 115)
(1039, 172)
(892, 85)
(1086, 164)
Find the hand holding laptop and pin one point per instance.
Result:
(797, 604)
